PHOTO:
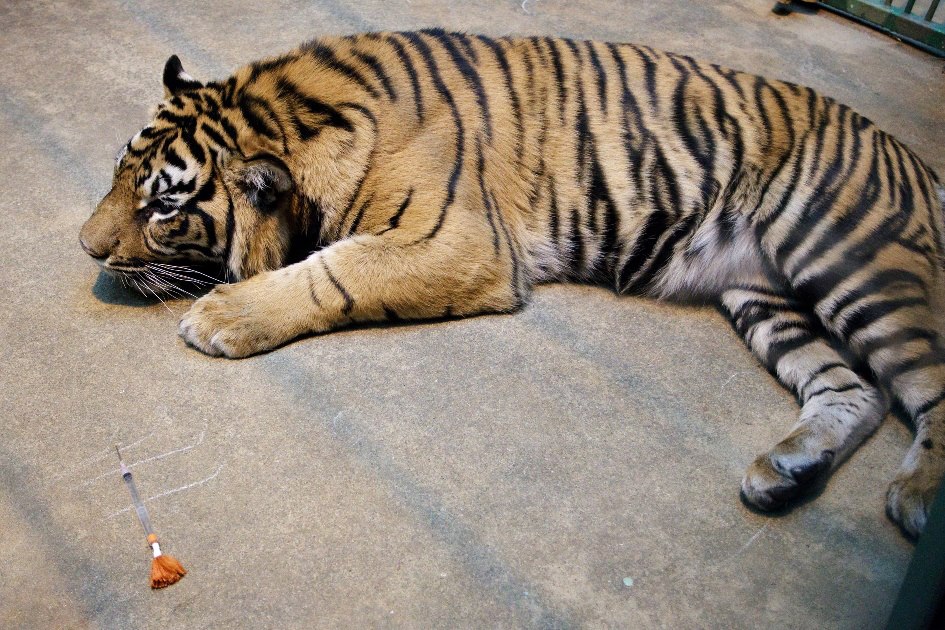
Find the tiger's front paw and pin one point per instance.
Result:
(911, 493)
(239, 320)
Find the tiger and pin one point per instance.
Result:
(392, 176)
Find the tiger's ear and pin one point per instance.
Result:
(176, 80)
(266, 182)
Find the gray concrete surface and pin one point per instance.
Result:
(494, 472)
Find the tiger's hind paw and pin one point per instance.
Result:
(785, 472)
(910, 498)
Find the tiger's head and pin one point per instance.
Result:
(183, 194)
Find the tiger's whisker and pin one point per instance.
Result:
(182, 269)
(167, 286)
(176, 275)
(137, 286)
(148, 287)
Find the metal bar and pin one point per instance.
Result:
(931, 13)
(909, 5)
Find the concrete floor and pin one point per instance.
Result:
(503, 471)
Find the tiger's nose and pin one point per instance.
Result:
(92, 252)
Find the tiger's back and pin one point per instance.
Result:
(442, 174)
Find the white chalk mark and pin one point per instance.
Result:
(525, 8)
(712, 567)
(174, 491)
(729, 380)
(182, 449)
(110, 452)
(749, 543)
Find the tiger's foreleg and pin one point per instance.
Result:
(360, 279)
(838, 408)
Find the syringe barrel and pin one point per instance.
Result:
(141, 511)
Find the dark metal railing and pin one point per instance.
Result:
(922, 25)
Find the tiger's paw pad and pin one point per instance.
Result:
(910, 497)
(233, 321)
(775, 478)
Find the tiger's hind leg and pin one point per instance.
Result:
(866, 256)
(882, 313)
(839, 408)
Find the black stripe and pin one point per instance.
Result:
(649, 74)
(697, 138)
(554, 220)
(195, 148)
(311, 286)
(778, 350)
(629, 105)
(871, 313)
(656, 224)
(576, 243)
(229, 130)
(924, 360)
(209, 231)
(394, 221)
(269, 65)
(827, 123)
(469, 74)
(214, 136)
(731, 76)
(601, 75)
(350, 207)
(229, 226)
(512, 253)
(659, 261)
(206, 192)
(559, 74)
(574, 50)
(665, 179)
(930, 404)
(897, 338)
(481, 166)
(391, 314)
(181, 121)
(257, 123)
(361, 109)
(510, 88)
(468, 48)
(836, 390)
(327, 56)
(291, 93)
(823, 369)
(600, 193)
(786, 325)
(411, 73)
(357, 219)
(762, 226)
(816, 213)
(349, 302)
(888, 170)
(378, 69)
(752, 312)
(876, 284)
(417, 42)
(818, 286)
(175, 160)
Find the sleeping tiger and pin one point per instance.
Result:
(390, 176)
